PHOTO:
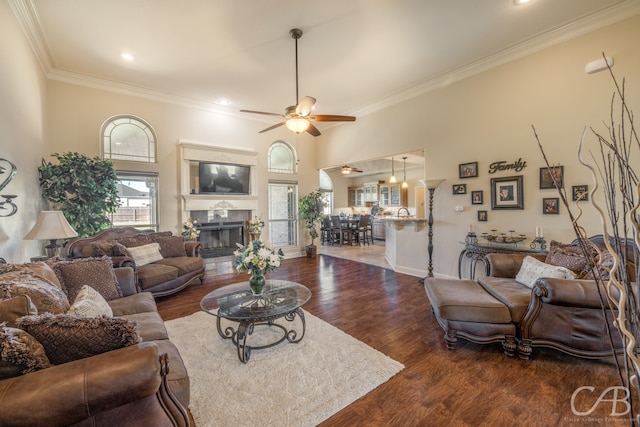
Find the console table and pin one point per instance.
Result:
(476, 251)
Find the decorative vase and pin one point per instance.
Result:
(256, 283)
(255, 236)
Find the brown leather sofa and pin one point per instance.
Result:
(563, 314)
(179, 267)
(143, 385)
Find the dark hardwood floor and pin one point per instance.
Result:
(476, 385)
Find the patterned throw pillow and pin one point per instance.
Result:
(66, 338)
(143, 255)
(13, 308)
(40, 270)
(567, 256)
(532, 270)
(140, 239)
(171, 247)
(95, 272)
(107, 248)
(46, 297)
(89, 303)
(20, 353)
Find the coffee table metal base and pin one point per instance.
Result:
(245, 329)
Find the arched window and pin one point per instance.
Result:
(282, 158)
(126, 137)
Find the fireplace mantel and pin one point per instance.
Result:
(208, 202)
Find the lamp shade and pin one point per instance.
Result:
(432, 184)
(51, 225)
(298, 125)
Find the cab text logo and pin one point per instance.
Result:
(616, 396)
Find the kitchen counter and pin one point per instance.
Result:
(406, 244)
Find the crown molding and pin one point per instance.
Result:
(28, 19)
(562, 34)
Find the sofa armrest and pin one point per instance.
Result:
(123, 261)
(126, 280)
(571, 293)
(192, 248)
(74, 391)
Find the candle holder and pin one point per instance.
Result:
(539, 242)
(511, 238)
(471, 238)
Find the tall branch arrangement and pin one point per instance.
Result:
(612, 170)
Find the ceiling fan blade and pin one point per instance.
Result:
(271, 127)
(305, 106)
(313, 130)
(332, 118)
(262, 112)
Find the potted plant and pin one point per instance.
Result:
(84, 188)
(311, 210)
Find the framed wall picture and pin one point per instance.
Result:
(482, 216)
(551, 205)
(507, 192)
(580, 192)
(459, 188)
(548, 174)
(468, 170)
(476, 197)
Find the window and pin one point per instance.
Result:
(138, 200)
(127, 137)
(282, 158)
(283, 214)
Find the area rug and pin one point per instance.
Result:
(286, 385)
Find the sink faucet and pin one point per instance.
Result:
(404, 209)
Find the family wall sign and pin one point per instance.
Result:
(502, 165)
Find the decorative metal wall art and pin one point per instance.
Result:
(7, 207)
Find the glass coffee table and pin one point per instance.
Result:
(236, 303)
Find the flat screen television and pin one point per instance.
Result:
(224, 178)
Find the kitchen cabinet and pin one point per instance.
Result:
(370, 192)
(359, 197)
(351, 196)
(384, 195)
(394, 195)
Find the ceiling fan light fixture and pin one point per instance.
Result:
(298, 125)
(346, 171)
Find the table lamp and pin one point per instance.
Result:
(51, 225)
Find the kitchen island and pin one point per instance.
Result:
(406, 240)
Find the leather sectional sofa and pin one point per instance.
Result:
(142, 382)
(560, 313)
(176, 264)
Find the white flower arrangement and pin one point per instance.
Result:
(190, 229)
(257, 258)
(255, 225)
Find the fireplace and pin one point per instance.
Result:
(220, 238)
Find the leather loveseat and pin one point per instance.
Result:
(557, 312)
(141, 384)
(174, 263)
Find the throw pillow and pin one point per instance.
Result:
(143, 255)
(532, 270)
(89, 303)
(135, 240)
(95, 272)
(66, 338)
(20, 350)
(40, 270)
(171, 247)
(45, 297)
(13, 308)
(567, 256)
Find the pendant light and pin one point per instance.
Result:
(405, 184)
(393, 179)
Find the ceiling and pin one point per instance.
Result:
(355, 56)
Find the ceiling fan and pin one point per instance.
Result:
(298, 117)
(346, 169)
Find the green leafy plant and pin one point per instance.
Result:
(311, 210)
(84, 188)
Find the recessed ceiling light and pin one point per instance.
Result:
(223, 101)
(127, 56)
(519, 2)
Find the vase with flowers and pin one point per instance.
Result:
(190, 229)
(255, 227)
(257, 259)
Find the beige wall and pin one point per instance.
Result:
(22, 136)
(488, 118)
